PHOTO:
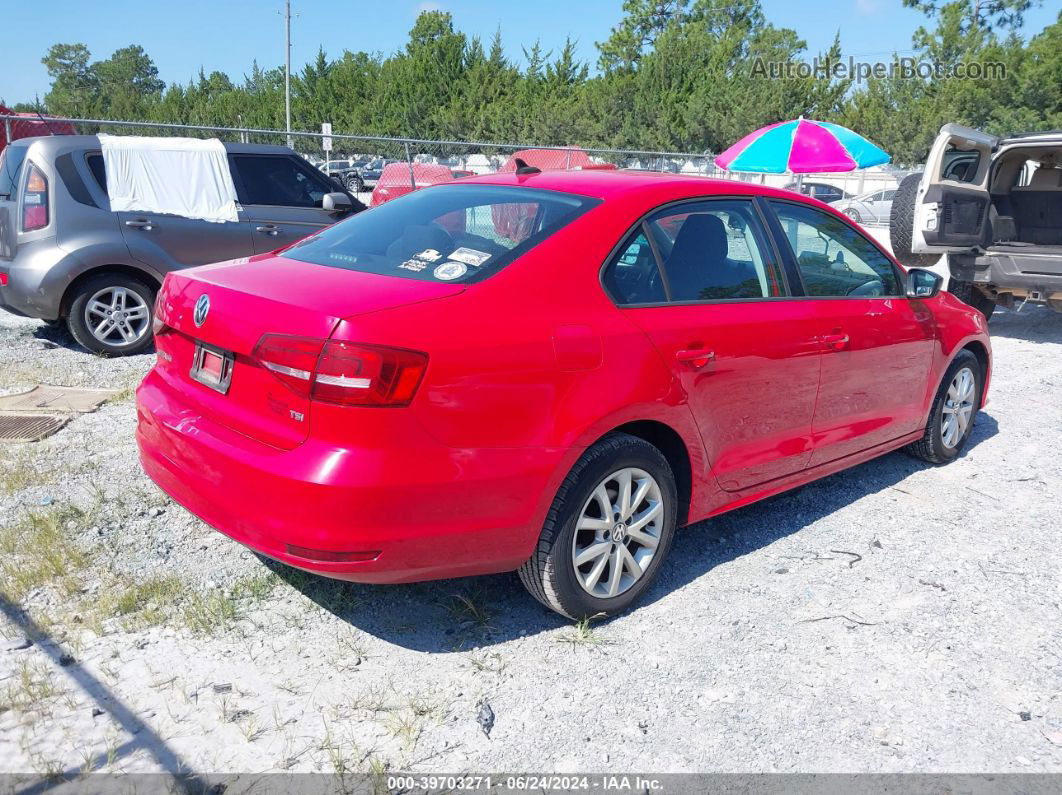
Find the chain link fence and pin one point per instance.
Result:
(377, 168)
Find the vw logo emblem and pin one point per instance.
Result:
(202, 306)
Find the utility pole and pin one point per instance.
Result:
(287, 69)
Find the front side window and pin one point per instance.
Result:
(714, 250)
(277, 181)
(834, 259)
(446, 233)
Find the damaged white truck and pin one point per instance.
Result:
(993, 207)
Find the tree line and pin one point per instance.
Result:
(674, 75)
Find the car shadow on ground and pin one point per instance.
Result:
(478, 612)
(1032, 323)
(54, 334)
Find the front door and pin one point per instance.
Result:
(281, 198)
(877, 344)
(715, 303)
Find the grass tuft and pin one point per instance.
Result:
(37, 550)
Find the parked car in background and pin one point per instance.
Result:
(822, 191)
(332, 167)
(345, 173)
(370, 173)
(437, 388)
(993, 206)
(459, 173)
(398, 179)
(31, 125)
(870, 208)
(64, 255)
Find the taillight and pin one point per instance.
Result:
(35, 201)
(368, 375)
(291, 359)
(158, 316)
(348, 373)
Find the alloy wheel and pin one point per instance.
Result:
(117, 316)
(617, 533)
(958, 408)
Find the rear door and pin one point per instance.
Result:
(281, 197)
(951, 205)
(882, 206)
(876, 344)
(719, 313)
(171, 242)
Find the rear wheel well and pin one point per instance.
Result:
(125, 270)
(667, 440)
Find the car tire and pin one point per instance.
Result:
(355, 185)
(552, 574)
(117, 292)
(853, 213)
(969, 294)
(901, 224)
(935, 446)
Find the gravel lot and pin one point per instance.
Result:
(895, 617)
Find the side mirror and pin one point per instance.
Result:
(923, 284)
(336, 203)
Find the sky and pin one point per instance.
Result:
(227, 35)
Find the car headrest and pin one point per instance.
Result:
(701, 238)
(1045, 179)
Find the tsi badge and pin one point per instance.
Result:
(202, 306)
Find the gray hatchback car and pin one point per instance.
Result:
(65, 256)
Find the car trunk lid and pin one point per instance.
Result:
(248, 298)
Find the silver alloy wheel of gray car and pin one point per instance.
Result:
(618, 532)
(117, 316)
(958, 407)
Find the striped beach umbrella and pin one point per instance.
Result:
(801, 146)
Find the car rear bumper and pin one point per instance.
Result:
(1009, 268)
(416, 513)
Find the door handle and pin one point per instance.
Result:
(268, 229)
(834, 342)
(141, 223)
(695, 357)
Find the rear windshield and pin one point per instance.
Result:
(446, 233)
(10, 164)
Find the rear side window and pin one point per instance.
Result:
(960, 166)
(98, 169)
(715, 251)
(632, 277)
(445, 233)
(277, 180)
(10, 166)
(834, 259)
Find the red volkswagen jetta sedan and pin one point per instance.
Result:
(548, 372)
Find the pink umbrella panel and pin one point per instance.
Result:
(801, 146)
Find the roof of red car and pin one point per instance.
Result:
(609, 184)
